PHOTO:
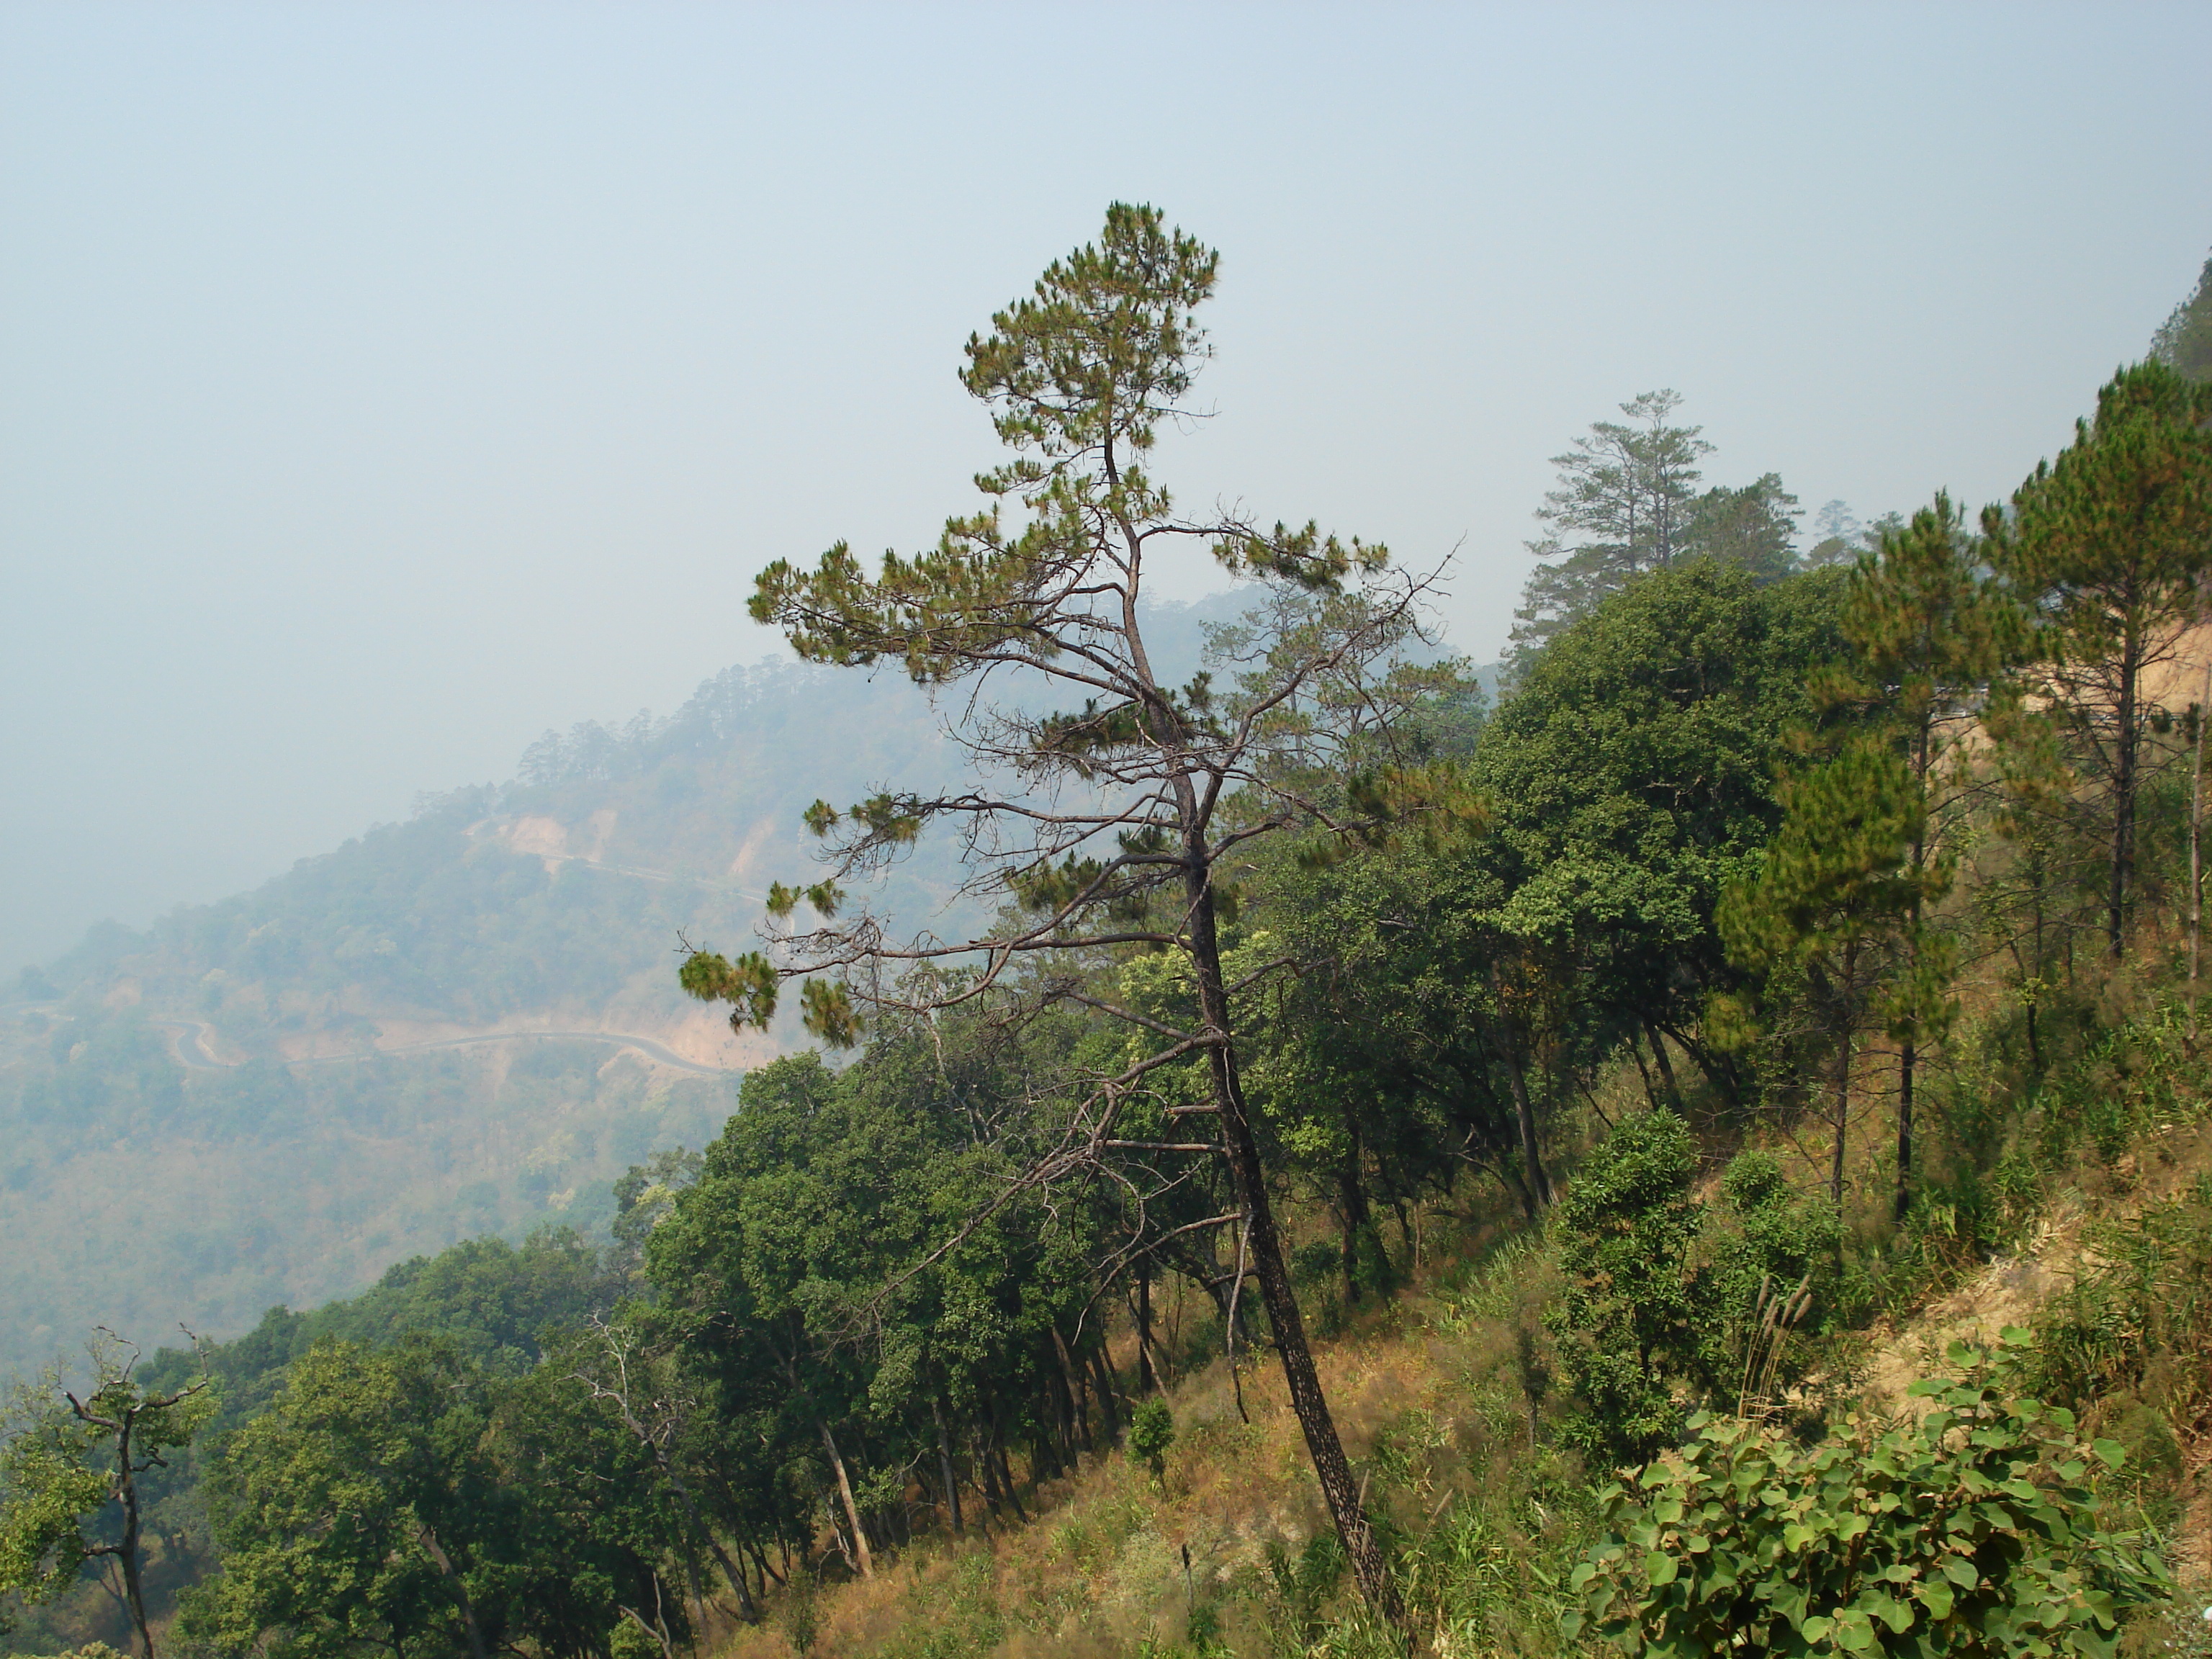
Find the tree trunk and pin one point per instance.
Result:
(1104, 1371)
(1525, 1111)
(852, 1510)
(1907, 1052)
(1904, 1071)
(1072, 1374)
(995, 1447)
(127, 1490)
(1333, 1470)
(1353, 1196)
(1842, 1084)
(2123, 803)
(2195, 843)
(1665, 1067)
(1636, 1052)
(436, 1552)
(945, 1465)
(1148, 1380)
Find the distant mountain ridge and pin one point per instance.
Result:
(271, 1098)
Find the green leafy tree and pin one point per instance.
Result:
(1772, 1259)
(1127, 802)
(72, 1460)
(2110, 547)
(594, 1539)
(1973, 1530)
(1632, 1322)
(1630, 779)
(1625, 502)
(353, 1512)
(1151, 1432)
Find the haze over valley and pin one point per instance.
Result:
(1415, 861)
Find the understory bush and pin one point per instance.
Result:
(1972, 1531)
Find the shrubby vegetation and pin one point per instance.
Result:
(1623, 1074)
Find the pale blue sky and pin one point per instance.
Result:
(381, 385)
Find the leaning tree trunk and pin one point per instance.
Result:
(1524, 1111)
(2195, 848)
(852, 1510)
(1333, 1470)
(1666, 1068)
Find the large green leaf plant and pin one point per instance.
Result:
(1975, 1529)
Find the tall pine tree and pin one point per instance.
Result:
(2110, 547)
(1928, 633)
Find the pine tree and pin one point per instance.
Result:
(1121, 810)
(2110, 548)
(1624, 504)
(2183, 341)
(1834, 897)
(1929, 633)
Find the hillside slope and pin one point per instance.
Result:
(272, 1098)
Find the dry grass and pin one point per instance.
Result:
(1428, 1392)
(1112, 1562)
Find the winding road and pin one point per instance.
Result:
(191, 1048)
(190, 1037)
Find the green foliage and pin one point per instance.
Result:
(1630, 1322)
(2145, 1299)
(405, 1498)
(1632, 778)
(1765, 1244)
(331, 1504)
(1302, 1582)
(49, 1485)
(1752, 528)
(73, 1462)
(1151, 1432)
(1974, 1530)
(2110, 547)
(1835, 881)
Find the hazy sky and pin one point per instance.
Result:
(382, 384)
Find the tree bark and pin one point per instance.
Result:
(944, 1464)
(1636, 1052)
(1071, 1373)
(1104, 1370)
(1846, 984)
(133, 1585)
(1353, 1196)
(1333, 1470)
(437, 1554)
(1907, 1052)
(2195, 845)
(1904, 1073)
(1148, 1379)
(1665, 1067)
(852, 1510)
(1524, 1111)
(2123, 800)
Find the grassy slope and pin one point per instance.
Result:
(1428, 1392)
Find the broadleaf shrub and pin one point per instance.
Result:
(1972, 1531)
